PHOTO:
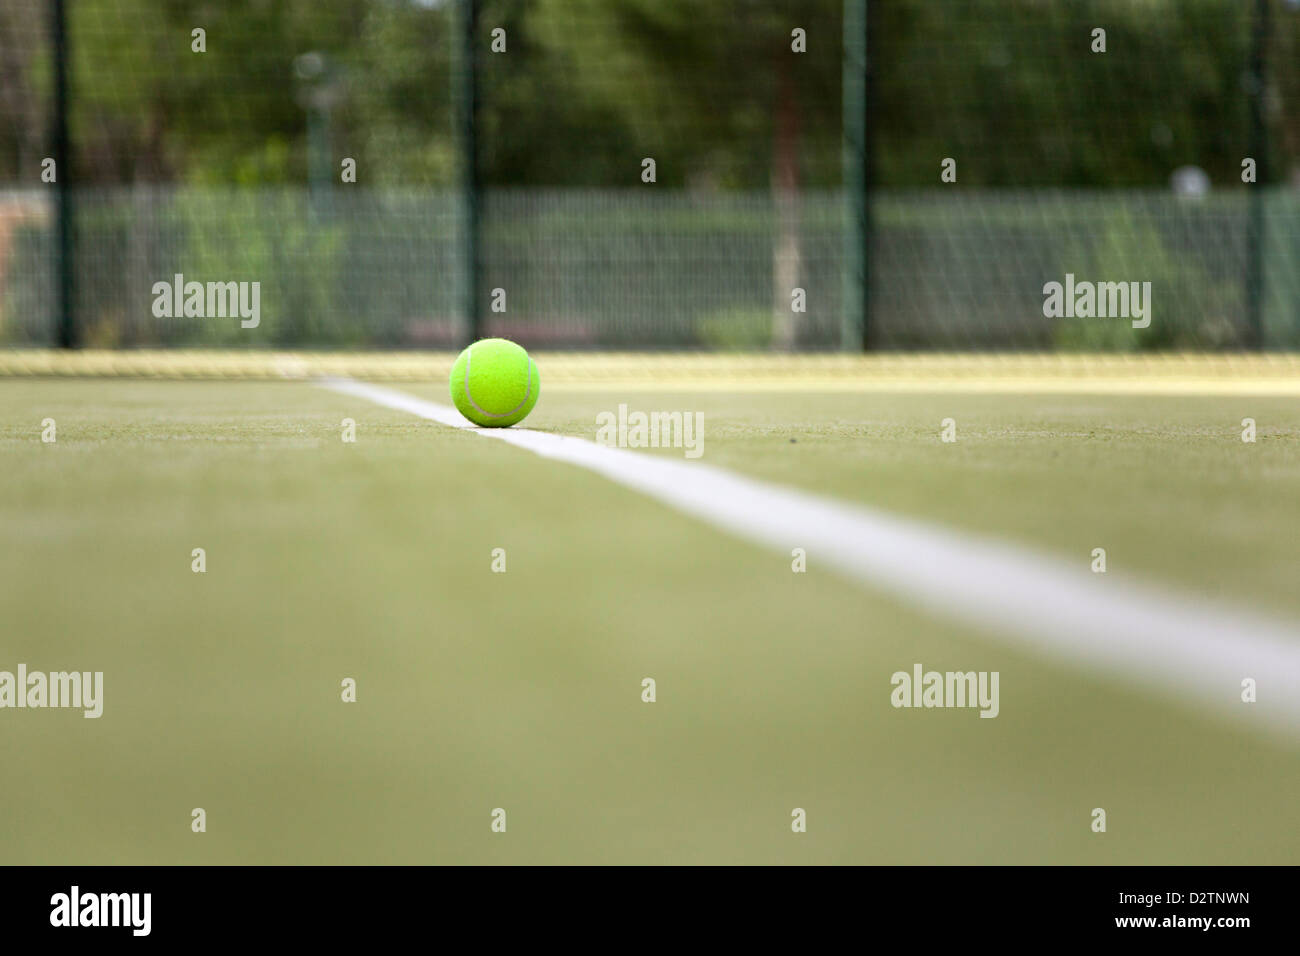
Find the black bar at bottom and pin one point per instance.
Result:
(925, 904)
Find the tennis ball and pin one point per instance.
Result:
(494, 383)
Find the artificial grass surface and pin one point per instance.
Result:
(522, 690)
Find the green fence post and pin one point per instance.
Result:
(1259, 149)
(465, 78)
(857, 215)
(66, 245)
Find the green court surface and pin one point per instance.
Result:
(522, 690)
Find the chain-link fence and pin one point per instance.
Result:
(650, 173)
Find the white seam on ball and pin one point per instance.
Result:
(469, 354)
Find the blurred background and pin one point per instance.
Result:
(782, 161)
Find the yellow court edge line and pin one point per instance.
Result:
(1097, 373)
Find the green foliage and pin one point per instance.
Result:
(1010, 88)
(1189, 306)
(27, 286)
(277, 238)
(736, 329)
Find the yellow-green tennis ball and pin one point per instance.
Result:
(494, 383)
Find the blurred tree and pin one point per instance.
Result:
(1011, 88)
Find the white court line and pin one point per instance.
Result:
(1181, 644)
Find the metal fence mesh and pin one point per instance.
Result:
(225, 165)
